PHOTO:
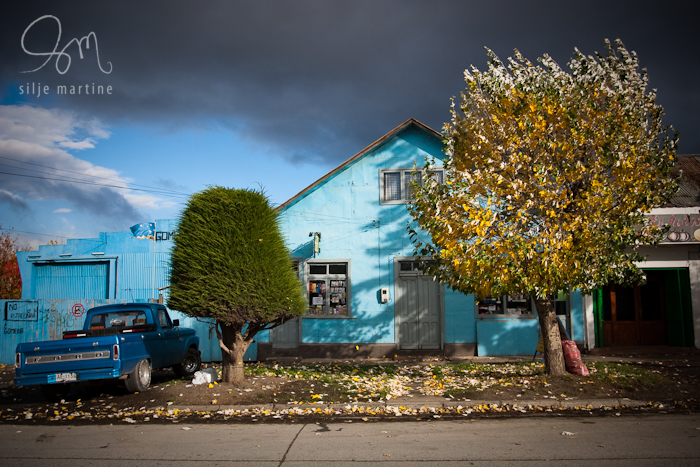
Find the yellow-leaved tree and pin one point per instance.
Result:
(547, 178)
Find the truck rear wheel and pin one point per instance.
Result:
(139, 379)
(190, 364)
(55, 392)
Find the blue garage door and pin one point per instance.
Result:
(76, 280)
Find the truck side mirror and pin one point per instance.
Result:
(176, 322)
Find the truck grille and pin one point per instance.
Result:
(67, 357)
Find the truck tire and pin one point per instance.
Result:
(191, 363)
(55, 392)
(139, 379)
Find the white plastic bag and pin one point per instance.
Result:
(199, 378)
(208, 375)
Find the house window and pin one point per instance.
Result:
(396, 185)
(513, 305)
(328, 288)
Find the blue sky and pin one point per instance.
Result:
(272, 94)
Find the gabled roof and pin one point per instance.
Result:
(688, 194)
(371, 147)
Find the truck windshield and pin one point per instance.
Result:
(118, 319)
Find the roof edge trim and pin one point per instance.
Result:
(371, 147)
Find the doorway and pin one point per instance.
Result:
(656, 313)
(418, 305)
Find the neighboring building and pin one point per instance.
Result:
(661, 311)
(116, 265)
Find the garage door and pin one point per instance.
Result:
(76, 280)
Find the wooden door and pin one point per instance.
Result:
(635, 315)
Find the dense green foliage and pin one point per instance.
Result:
(229, 261)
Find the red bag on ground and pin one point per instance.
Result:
(572, 359)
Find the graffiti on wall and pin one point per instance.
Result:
(164, 236)
(59, 318)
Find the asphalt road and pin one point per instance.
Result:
(658, 440)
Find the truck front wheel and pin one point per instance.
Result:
(190, 364)
(139, 379)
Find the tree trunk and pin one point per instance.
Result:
(233, 347)
(553, 353)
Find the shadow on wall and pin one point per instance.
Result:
(507, 336)
(304, 251)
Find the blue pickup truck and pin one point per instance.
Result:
(124, 341)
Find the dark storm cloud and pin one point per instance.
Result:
(317, 81)
(35, 164)
(15, 202)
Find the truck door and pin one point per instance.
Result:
(171, 346)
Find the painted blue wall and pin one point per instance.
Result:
(507, 336)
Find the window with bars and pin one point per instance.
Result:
(396, 185)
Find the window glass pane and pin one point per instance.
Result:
(338, 297)
(560, 307)
(437, 176)
(624, 301)
(164, 319)
(410, 177)
(406, 265)
(490, 305)
(317, 269)
(117, 319)
(337, 268)
(519, 305)
(392, 186)
(652, 305)
(317, 297)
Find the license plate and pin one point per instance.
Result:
(66, 377)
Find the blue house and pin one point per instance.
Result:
(366, 291)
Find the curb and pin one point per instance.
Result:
(525, 404)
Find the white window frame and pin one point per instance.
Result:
(405, 172)
(309, 277)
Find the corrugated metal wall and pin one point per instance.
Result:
(40, 320)
(71, 280)
(135, 275)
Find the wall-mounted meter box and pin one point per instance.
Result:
(385, 294)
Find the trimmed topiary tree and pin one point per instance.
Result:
(229, 262)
